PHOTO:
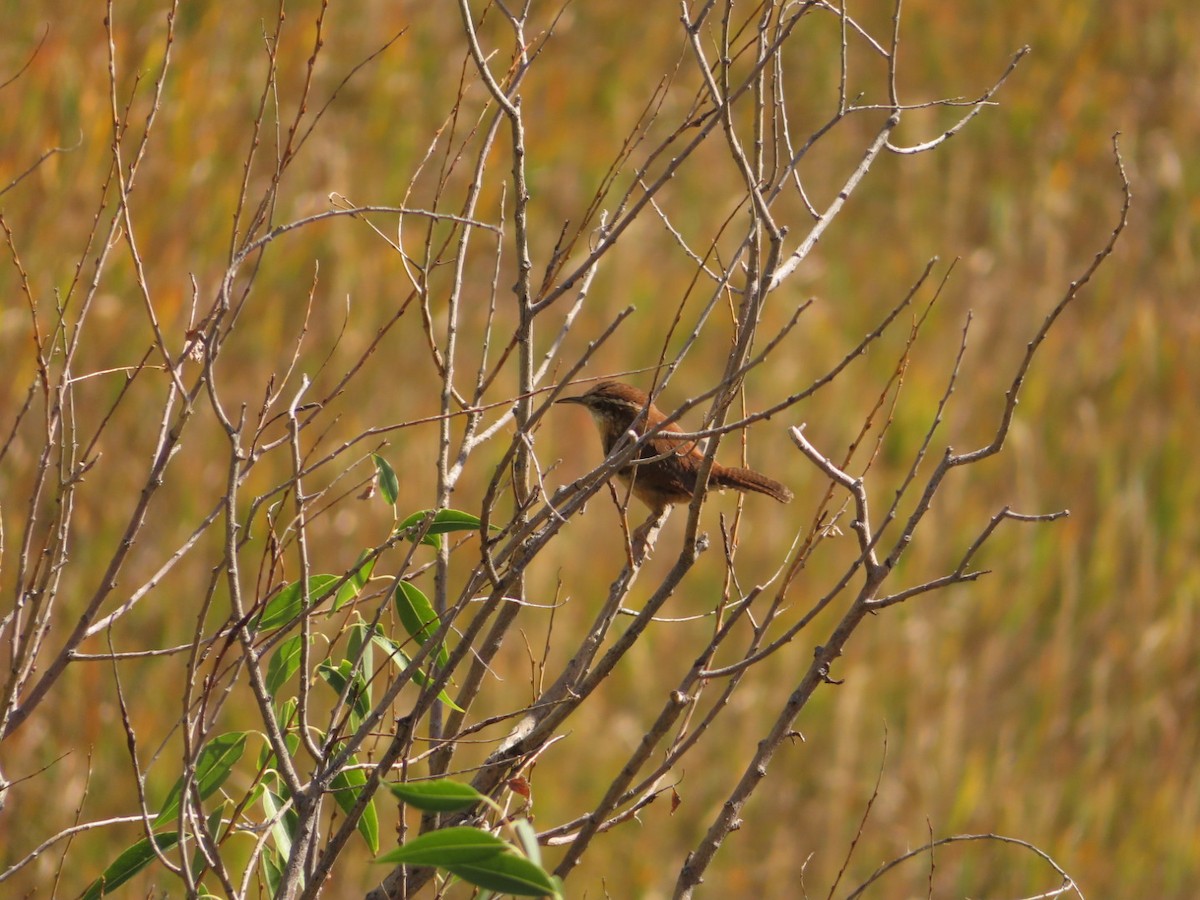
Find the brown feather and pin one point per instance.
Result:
(619, 408)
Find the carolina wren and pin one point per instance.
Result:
(618, 408)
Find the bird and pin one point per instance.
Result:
(618, 408)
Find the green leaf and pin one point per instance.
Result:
(397, 656)
(338, 678)
(358, 638)
(346, 786)
(359, 576)
(448, 846)
(411, 526)
(283, 664)
(286, 714)
(418, 617)
(441, 795)
(272, 862)
(216, 761)
(444, 521)
(402, 660)
(288, 604)
(199, 862)
(508, 873)
(129, 863)
(389, 484)
(284, 826)
(528, 838)
(284, 829)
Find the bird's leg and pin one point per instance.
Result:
(645, 535)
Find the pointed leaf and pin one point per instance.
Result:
(359, 576)
(283, 828)
(528, 838)
(508, 873)
(338, 678)
(286, 712)
(412, 525)
(283, 664)
(394, 654)
(418, 617)
(402, 660)
(440, 795)
(444, 522)
(216, 761)
(360, 635)
(199, 863)
(288, 604)
(346, 786)
(272, 863)
(129, 863)
(389, 484)
(447, 846)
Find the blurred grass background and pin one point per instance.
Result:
(1055, 700)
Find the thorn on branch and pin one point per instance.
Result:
(825, 677)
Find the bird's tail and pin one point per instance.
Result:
(749, 480)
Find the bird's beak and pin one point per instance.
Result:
(578, 400)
